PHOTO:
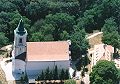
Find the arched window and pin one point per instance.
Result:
(20, 40)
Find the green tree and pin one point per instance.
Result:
(55, 73)
(38, 78)
(24, 78)
(7, 6)
(42, 32)
(110, 33)
(37, 10)
(55, 27)
(62, 75)
(86, 60)
(79, 44)
(61, 22)
(118, 74)
(64, 35)
(47, 74)
(85, 4)
(3, 39)
(4, 23)
(20, 5)
(65, 6)
(37, 26)
(112, 38)
(66, 74)
(51, 75)
(95, 12)
(90, 19)
(104, 72)
(110, 26)
(39, 36)
(82, 62)
(42, 75)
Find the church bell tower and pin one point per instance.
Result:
(19, 49)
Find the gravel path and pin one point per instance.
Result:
(2, 76)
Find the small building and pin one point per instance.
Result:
(117, 62)
(101, 52)
(33, 57)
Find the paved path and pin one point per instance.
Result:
(8, 71)
(77, 81)
(2, 76)
(86, 79)
(95, 34)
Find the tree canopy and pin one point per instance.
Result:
(111, 34)
(104, 72)
(79, 43)
(3, 39)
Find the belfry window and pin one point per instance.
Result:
(20, 40)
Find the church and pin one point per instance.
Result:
(33, 57)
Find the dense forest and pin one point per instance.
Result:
(54, 20)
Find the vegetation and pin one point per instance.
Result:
(24, 78)
(70, 81)
(82, 62)
(110, 33)
(104, 72)
(118, 74)
(3, 39)
(53, 74)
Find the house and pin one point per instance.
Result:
(33, 57)
(101, 52)
(117, 63)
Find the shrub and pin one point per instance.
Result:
(70, 82)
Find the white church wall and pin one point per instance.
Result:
(18, 66)
(35, 65)
(34, 68)
(63, 64)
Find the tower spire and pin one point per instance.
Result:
(20, 27)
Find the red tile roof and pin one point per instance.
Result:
(103, 58)
(110, 48)
(48, 51)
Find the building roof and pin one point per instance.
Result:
(48, 51)
(22, 56)
(110, 48)
(103, 58)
